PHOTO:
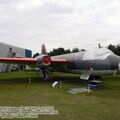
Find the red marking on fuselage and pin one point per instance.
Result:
(58, 61)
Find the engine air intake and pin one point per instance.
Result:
(46, 60)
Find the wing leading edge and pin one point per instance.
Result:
(27, 61)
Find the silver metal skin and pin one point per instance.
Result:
(100, 61)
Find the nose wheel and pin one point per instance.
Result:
(44, 73)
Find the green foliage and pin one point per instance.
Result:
(114, 49)
(35, 55)
(59, 51)
(75, 50)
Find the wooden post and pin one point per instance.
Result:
(29, 80)
(114, 72)
(60, 84)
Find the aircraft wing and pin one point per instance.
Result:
(26, 61)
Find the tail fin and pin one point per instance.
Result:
(43, 49)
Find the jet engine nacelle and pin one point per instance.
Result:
(43, 60)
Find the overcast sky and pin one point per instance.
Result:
(59, 23)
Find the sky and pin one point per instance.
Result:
(59, 23)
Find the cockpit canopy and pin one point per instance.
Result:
(99, 54)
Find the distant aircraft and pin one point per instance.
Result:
(99, 61)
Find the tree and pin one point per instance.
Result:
(118, 50)
(35, 55)
(59, 51)
(82, 49)
(75, 50)
(68, 51)
(114, 49)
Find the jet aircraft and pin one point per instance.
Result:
(99, 61)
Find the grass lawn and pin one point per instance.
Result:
(101, 104)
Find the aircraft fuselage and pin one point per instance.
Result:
(101, 61)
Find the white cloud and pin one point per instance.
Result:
(29, 4)
(67, 23)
